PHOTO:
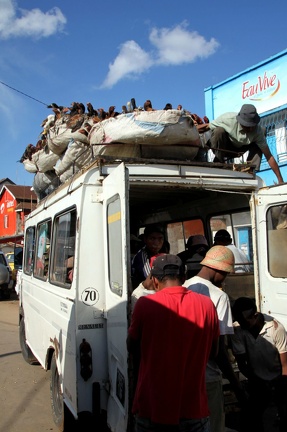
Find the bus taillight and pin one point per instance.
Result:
(86, 360)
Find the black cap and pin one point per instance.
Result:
(153, 228)
(248, 116)
(222, 234)
(243, 304)
(167, 265)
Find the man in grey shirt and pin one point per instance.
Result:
(235, 133)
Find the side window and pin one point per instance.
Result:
(115, 246)
(238, 226)
(277, 240)
(41, 267)
(29, 250)
(179, 232)
(64, 235)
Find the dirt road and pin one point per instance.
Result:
(24, 389)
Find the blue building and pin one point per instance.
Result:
(265, 86)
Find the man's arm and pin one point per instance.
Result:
(226, 368)
(283, 388)
(283, 358)
(133, 347)
(273, 164)
(243, 366)
(214, 349)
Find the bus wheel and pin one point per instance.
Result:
(56, 395)
(26, 352)
(63, 418)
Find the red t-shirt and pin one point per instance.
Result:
(176, 328)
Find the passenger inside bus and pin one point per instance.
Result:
(196, 248)
(154, 240)
(70, 269)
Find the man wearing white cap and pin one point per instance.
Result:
(234, 133)
(218, 262)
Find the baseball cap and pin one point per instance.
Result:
(219, 258)
(154, 257)
(167, 265)
(248, 116)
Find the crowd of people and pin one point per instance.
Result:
(179, 333)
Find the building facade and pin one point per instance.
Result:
(265, 86)
(16, 202)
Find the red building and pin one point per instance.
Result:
(16, 202)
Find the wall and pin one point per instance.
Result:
(265, 86)
(7, 211)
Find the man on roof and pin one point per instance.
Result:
(233, 134)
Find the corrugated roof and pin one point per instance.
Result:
(21, 193)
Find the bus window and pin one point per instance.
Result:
(43, 250)
(239, 227)
(62, 262)
(277, 240)
(115, 247)
(29, 250)
(179, 232)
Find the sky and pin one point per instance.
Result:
(107, 53)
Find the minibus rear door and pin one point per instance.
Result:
(116, 223)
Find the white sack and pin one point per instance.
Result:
(77, 155)
(58, 138)
(146, 127)
(45, 159)
(30, 166)
(45, 183)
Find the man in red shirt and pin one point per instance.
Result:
(176, 331)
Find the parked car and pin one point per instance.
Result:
(6, 281)
(10, 259)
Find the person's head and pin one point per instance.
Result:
(167, 270)
(154, 238)
(148, 105)
(168, 106)
(222, 237)
(179, 107)
(148, 283)
(197, 244)
(219, 260)
(248, 117)
(245, 312)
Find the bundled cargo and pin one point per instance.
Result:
(71, 141)
(44, 159)
(161, 133)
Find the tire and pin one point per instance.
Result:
(63, 418)
(56, 395)
(26, 352)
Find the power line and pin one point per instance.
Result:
(25, 94)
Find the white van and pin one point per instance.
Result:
(76, 280)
